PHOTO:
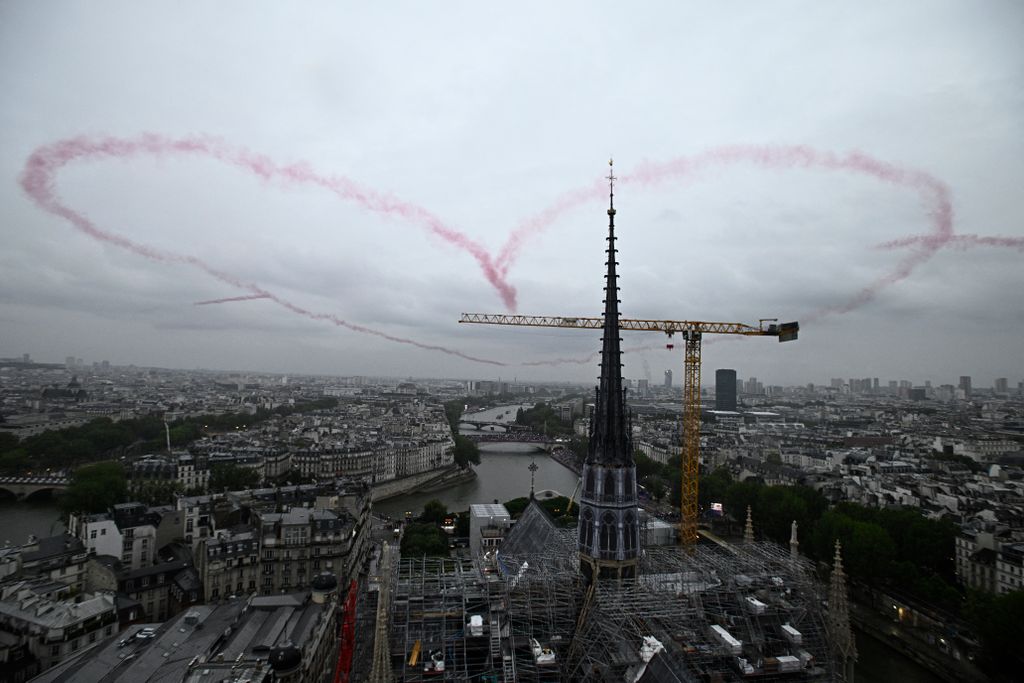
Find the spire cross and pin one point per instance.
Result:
(611, 182)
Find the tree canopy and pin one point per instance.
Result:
(103, 438)
(95, 488)
(466, 452)
(232, 477)
(543, 419)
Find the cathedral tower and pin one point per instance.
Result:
(609, 532)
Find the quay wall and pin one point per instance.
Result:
(423, 481)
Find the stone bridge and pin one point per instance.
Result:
(27, 486)
(544, 443)
(486, 425)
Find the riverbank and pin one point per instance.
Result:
(893, 637)
(500, 476)
(424, 482)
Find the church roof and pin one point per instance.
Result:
(536, 538)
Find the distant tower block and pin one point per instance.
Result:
(668, 379)
(725, 389)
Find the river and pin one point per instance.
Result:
(877, 663)
(503, 473)
(37, 517)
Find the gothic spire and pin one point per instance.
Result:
(610, 441)
(839, 619)
(748, 530)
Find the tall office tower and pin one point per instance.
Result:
(965, 385)
(668, 379)
(1002, 386)
(725, 389)
(874, 384)
(609, 528)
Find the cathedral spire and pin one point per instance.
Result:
(839, 619)
(610, 441)
(609, 531)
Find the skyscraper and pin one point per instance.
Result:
(965, 384)
(609, 533)
(668, 379)
(1002, 386)
(725, 389)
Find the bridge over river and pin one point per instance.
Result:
(544, 443)
(27, 486)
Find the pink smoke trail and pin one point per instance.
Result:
(47, 160)
(230, 299)
(38, 182)
(933, 192)
(592, 357)
(961, 242)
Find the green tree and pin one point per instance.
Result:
(424, 539)
(8, 441)
(462, 524)
(95, 488)
(465, 452)
(453, 411)
(543, 419)
(999, 621)
(157, 492)
(434, 512)
(232, 477)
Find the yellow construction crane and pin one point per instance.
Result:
(691, 331)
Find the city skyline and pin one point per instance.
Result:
(344, 166)
(1001, 384)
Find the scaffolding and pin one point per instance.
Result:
(723, 613)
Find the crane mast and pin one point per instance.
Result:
(692, 332)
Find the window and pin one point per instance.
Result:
(609, 535)
(586, 527)
(92, 534)
(55, 650)
(609, 486)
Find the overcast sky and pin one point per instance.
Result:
(340, 152)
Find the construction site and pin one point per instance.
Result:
(708, 613)
(594, 601)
